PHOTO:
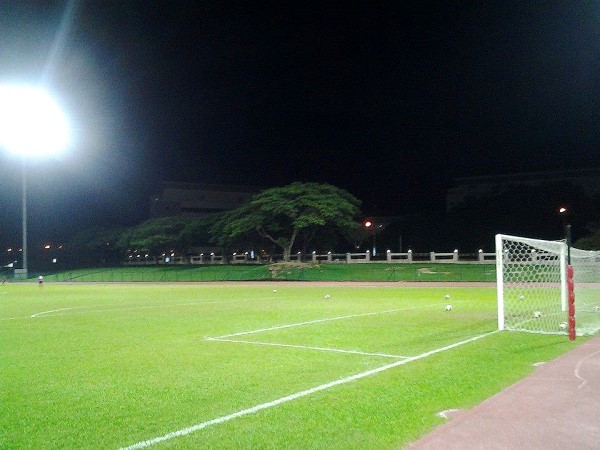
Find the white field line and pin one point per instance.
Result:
(279, 401)
(445, 414)
(115, 309)
(299, 324)
(47, 313)
(578, 367)
(56, 310)
(307, 347)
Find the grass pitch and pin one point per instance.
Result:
(242, 366)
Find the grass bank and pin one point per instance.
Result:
(285, 272)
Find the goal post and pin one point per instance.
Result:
(532, 277)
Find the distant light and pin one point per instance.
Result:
(562, 210)
(368, 223)
(31, 122)
(54, 260)
(9, 250)
(47, 246)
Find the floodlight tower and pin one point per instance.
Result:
(31, 124)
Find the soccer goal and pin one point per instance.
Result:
(534, 287)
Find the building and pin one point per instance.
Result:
(588, 180)
(196, 199)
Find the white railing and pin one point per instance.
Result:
(325, 258)
(358, 257)
(443, 257)
(350, 258)
(238, 258)
(400, 257)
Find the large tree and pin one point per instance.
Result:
(161, 234)
(97, 245)
(282, 214)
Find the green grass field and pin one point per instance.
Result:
(240, 366)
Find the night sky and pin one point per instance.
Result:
(389, 100)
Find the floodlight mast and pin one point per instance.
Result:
(24, 216)
(31, 124)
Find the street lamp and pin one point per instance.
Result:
(564, 212)
(370, 225)
(31, 124)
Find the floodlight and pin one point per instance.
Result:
(31, 122)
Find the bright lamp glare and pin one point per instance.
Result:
(31, 123)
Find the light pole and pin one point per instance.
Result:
(563, 212)
(31, 124)
(24, 217)
(371, 226)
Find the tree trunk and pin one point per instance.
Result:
(287, 249)
(287, 252)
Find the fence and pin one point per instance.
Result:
(480, 257)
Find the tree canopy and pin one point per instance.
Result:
(164, 233)
(282, 214)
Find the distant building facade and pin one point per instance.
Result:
(196, 199)
(588, 180)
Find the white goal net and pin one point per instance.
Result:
(533, 291)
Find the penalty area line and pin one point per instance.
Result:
(124, 308)
(288, 398)
(310, 322)
(307, 347)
